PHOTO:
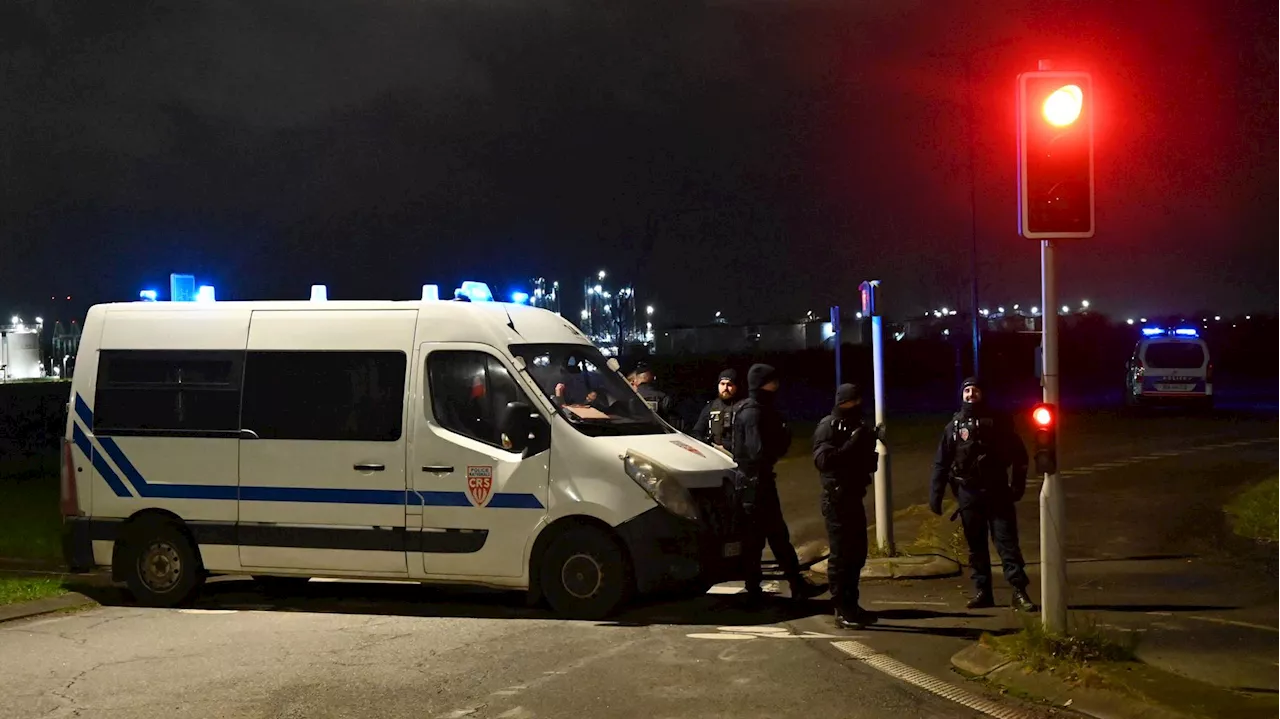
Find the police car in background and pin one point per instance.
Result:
(1170, 366)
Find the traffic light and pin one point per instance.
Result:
(1044, 419)
(1055, 155)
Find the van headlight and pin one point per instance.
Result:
(658, 483)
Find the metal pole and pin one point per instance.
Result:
(835, 328)
(884, 484)
(1053, 566)
(973, 222)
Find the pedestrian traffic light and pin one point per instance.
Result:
(1044, 419)
(1055, 155)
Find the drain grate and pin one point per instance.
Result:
(911, 675)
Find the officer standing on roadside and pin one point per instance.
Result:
(844, 451)
(760, 439)
(715, 424)
(978, 449)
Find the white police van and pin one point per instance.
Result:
(454, 442)
(1169, 366)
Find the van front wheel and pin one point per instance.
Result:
(584, 574)
(161, 565)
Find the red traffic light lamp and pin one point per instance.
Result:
(1055, 155)
(1044, 419)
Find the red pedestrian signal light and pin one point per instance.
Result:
(1044, 418)
(1055, 155)
(1064, 105)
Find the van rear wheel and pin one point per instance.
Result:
(584, 574)
(161, 567)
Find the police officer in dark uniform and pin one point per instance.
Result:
(978, 449)
(760, 439)
(715, 423)
(657, 400)
(844, 451)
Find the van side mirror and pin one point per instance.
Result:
(523, 429)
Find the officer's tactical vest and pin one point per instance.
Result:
(721, 425)
(973, 459)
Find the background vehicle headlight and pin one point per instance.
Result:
(666, 490)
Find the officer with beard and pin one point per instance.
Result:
(844, 451)
(715, 423)
(760, 439)
(977, 452)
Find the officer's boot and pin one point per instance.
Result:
(802, 588)
(981, 599)
(1022, 601)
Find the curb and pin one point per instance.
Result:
(981, 662)
(23, 610)
(922, 566)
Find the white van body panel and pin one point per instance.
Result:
(258, 505)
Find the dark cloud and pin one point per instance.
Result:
(759, 157)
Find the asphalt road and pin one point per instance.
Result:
(365, 650)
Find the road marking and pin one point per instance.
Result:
(721, 589)
(208, 611)
(910, 604)
(709, 635)
(911, 675)
(732, 633)
(1234, 623)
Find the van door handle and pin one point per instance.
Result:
(437, 469)
(369, 467)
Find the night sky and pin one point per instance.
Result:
(750, 156)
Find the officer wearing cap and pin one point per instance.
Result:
(658, 401)
(844, 451)
(715, 423)
(984, 461)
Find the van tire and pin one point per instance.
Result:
(160, 564)
(585, 574)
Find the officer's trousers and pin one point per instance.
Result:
(994, 515)
(765, 523)
(846, 520)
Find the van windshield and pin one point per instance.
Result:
(594, 399)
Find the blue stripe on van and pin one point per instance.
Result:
(501, 500)
(83, 412)
(109, 474)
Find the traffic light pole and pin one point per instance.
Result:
(1053, 567)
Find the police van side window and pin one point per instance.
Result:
(469, 391)
(334, 396)
(167, 393)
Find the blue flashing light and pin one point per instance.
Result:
(430, 293)
(1186, 332)
(182, 288)
(148, 295)
(476, 291)
(1152, 331)
(519, 297)
(319, 293)
(206, 293)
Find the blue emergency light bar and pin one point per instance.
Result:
(476, 291)
(1180, 332)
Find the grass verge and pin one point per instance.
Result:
(25, 589)
(30, 525)
(1253, 512)
(1073, 656)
